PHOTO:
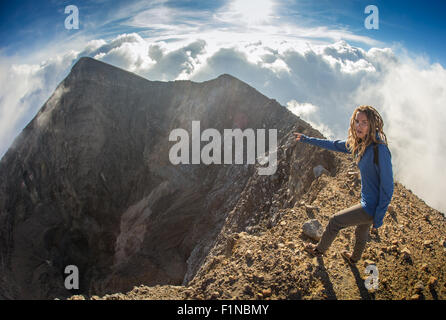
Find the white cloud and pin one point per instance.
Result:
(23, 90)
(302, 109)
(162, 20)
(242, 12)
(310, 113)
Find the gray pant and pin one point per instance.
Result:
(353, 216)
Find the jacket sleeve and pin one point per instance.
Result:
(385, 184)
(333, 145)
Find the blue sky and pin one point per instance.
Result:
(316, 58)
(418, 26)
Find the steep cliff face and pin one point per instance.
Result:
(89, 183)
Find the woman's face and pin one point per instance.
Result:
(361, 125)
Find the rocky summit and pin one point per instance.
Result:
(89, 183)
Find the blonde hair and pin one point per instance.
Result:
(356, 145)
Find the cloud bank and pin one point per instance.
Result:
(321, 83)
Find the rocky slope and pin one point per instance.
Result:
(259, 252)
(89, 183)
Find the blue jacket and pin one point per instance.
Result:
(376, 180)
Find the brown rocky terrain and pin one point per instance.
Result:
(259, 253)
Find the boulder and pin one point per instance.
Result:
(313, 229)
(319, 170)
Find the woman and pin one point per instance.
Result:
(368, 144)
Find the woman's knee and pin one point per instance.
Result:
(334, 224)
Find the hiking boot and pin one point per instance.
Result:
(312, 249)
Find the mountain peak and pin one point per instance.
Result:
(87, 68)
(227, 76)
(88, 64)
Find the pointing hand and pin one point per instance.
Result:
(298, 136)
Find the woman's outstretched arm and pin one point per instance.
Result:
(333, 145)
